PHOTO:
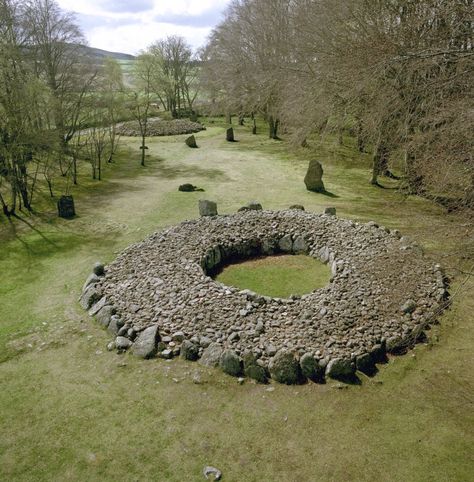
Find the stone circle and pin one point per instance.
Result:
(383, 293)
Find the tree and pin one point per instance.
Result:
(174, 74)
(57, 56)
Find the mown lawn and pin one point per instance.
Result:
(70, 410)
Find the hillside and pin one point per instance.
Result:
(100, 55)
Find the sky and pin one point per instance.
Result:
(131, 25)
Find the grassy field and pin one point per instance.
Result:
(70, 410)
(277, 276)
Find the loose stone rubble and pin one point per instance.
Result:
(382, 295)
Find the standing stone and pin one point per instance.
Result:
(191, 142)
(66, 208)
(146, 344)
(230, 135)
(314, 177)
(207, 208)
(284, 368)
(230, 363)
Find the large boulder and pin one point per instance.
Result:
(340, 369)
(311, 368)
(230, 363)
(211, 355)
(253, 370)
(284, 368)
(104, 315)
(314, 177)
(207, 208)
(146, 344)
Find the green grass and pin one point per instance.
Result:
(277, 276)
(70, 410)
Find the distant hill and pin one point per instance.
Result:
(100, 55)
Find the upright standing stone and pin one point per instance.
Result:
(66, 208)
(191, 142)
(207, 208)
(230, 135)
(314, 177)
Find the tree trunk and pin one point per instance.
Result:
(273, 125)
(228, 118)
(380, 162)
(143, 151)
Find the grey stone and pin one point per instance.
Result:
(96, 307)
(284, 368)
(270, 349)
(99, 269)
(167, 354)
(104, 316)
(89, 297)
(286, 244)
(300, 245)
(211, 355)
(191, 142)
(340, 369)
(115, 324)
(253, 370)
(122, 343)
(230, 363)
(204, 341)
(91, 280)
(310, 368)
(207, 208)
(178, 336)
(189, 351)
(314, 177)
(408, 307)
(146, 343)
(330, 211)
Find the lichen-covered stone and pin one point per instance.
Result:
(284, 368)
(146, 343)
(310, 368)
(189, 351)
(211, 355)
(230, 363)
(340, 369)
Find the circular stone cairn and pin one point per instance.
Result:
(159, 298)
